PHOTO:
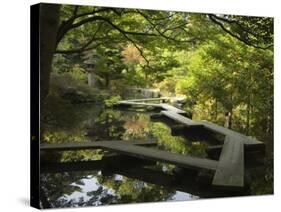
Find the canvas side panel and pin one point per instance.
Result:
(34, 106)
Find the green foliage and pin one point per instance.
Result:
(132, 191)
(252, 31)
(226, 76)
(112, 101)
(176, 144)
(70, 87)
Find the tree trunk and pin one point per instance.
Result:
(106, 78)
(216, 110)
(49, 21)
(228, 114)
(228, 119)
(92, 79)
(248, 115)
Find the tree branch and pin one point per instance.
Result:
(71, 26)
(137, 47)
(162, 33)
(151, 18)
(79, 50)
(93, 12)
(100, 18)
(213, 19)
(75, 10)
(84, 47)
(229, 21)
(66, 25)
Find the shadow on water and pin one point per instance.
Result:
(98, 177)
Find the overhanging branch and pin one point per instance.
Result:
(71, 26)
(100, 18)
(163, 33)
(214, 19)
(79, 50)
(84, 47)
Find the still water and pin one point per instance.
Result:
(98, 177)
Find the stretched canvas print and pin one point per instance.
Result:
(134, 105)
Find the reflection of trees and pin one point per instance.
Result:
(136, 127)
(139, 126)
(107, 126)
(61, 115)
(129, 190)
(262, 177)
(56, 185)
(136, 181)
(109, 190)
(56, 189)
(176, 144)
(262, 181)
(65, 122)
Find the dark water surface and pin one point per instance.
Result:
(98, 177)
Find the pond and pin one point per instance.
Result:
(98, 177)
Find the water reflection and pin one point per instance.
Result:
(98, 177)
(88, 189)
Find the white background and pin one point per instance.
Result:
(14, 103)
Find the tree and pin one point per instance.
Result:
(234, 78)
(252, 31)
(49, 22)
(82, 28)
